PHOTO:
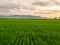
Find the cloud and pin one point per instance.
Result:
(47, 2)
(6, 7)
(29, 6)
(47, 6)
(40, 3)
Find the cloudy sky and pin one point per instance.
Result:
(45, 8)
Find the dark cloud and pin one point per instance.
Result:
(56, 2)
(9, 6)
(47, 3)
(28, 8)
(40, 3)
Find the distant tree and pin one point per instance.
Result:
(55, 18)
(59, 17)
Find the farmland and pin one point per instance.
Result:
(29, 32)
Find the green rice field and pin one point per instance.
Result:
(29, 32)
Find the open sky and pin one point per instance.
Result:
(45, 8)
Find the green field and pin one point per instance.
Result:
(29, 32)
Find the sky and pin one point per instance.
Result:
(44, 8)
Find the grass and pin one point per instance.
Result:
(29, 32)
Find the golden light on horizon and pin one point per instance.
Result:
(53, 15)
